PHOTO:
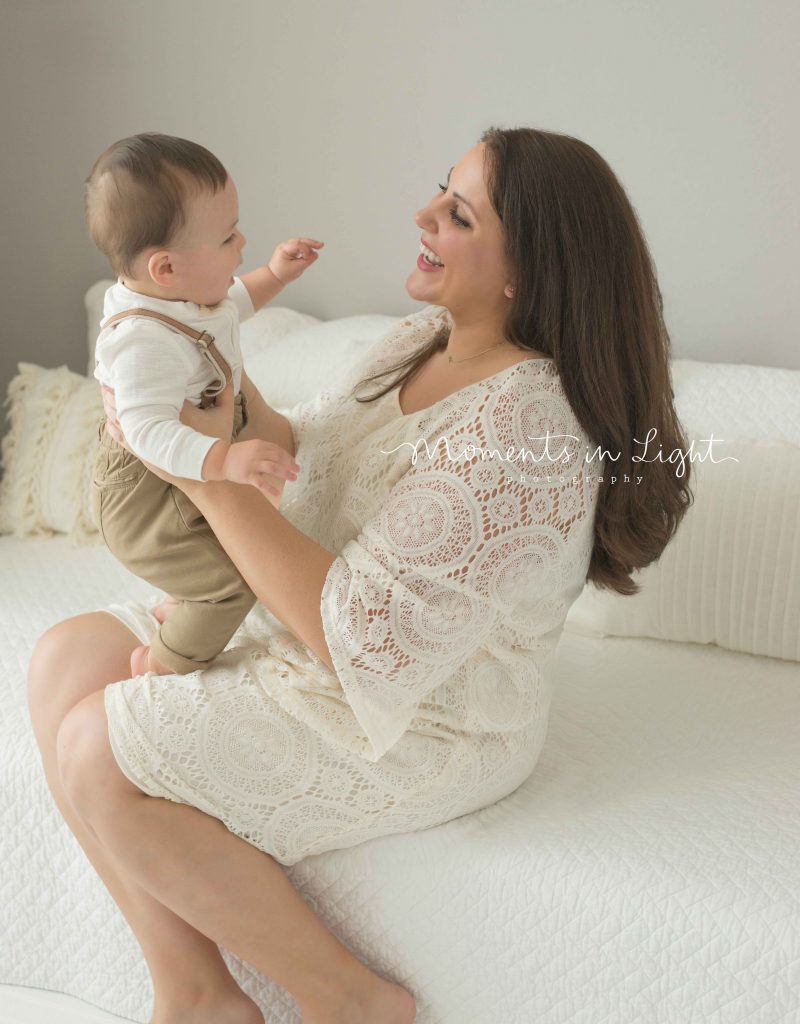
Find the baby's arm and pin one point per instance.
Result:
(253, 462)
(287, 263)
(149, 374)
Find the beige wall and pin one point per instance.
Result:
(337, 119)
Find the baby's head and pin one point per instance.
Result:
(164, 212)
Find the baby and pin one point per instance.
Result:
(165, 213)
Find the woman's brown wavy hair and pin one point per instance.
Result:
(586, 294)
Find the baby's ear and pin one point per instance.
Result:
(160, 268)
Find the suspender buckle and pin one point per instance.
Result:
(205, 339)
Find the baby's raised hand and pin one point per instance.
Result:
(256, 462)
(292, 257)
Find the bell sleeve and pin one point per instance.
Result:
(460, 546)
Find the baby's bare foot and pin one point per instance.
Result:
(142, 661)
(163, 611)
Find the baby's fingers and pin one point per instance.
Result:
(267, 489)
(286, 471)
(303, 248)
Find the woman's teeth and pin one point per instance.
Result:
(430, 256)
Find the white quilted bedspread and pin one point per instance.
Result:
(647, 873)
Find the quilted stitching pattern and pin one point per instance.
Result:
(645, 873)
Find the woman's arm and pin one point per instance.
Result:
(283, 567)
(263, 421)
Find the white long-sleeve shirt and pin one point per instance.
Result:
(154, 369)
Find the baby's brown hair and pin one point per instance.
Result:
(137, 190)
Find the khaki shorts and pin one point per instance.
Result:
(161, 536)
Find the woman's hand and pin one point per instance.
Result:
(216, 420)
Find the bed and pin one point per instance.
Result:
(647, 871)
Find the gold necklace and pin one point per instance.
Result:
(450, 358)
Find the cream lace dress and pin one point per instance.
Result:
(454, 574)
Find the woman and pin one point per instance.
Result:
(416, 594)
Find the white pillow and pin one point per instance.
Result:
(731, 573)
(299, 365)
(737, 401)
(48, 454)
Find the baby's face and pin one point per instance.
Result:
(210, 247)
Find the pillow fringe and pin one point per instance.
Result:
(35, 403)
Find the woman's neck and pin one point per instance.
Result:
(471, 337)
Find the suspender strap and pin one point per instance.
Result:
(203, 340)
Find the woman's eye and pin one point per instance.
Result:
(453, 215)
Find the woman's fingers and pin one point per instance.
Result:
(113, 428)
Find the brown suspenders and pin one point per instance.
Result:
(203, 340)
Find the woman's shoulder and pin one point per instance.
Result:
(403, 338)
(528, 400)
(425, 321)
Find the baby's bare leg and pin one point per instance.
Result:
(162, 611)
(71, 660)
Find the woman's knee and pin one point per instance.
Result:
(74, 658)
(85, 762)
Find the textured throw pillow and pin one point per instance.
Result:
(48, 454)
(301, 364)
(730, 574)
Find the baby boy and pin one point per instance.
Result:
(165, 213)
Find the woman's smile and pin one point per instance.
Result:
(428, 260)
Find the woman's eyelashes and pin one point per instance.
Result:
(453, 215)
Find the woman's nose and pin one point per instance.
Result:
(421, 217)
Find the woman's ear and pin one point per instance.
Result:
(509, 291)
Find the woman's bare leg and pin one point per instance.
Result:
(225, 887)
(73, 659)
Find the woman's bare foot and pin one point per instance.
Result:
(142, 661)
(163, 611)
(228, 1008)
(389, 1004)
(383, 1001)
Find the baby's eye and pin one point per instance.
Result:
(230, 239)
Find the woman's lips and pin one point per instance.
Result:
(429, 268)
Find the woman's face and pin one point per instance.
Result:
(462, 230)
